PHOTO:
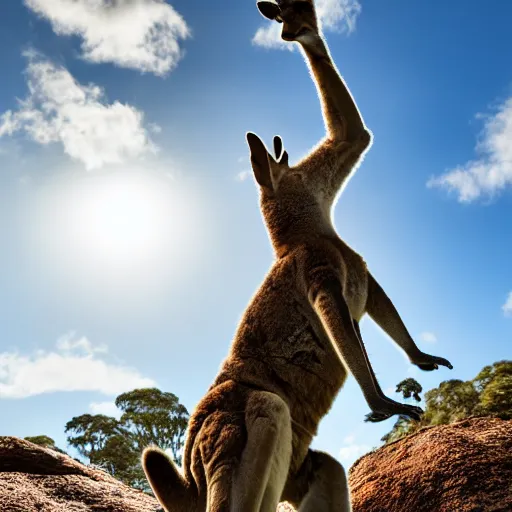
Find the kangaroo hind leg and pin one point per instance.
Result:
(320, 485)
(261, 475)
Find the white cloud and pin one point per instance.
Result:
(243, 175)
(352, 450)
(139, 34)
(428, 337)
(338, 15)
(507, 307)
(490, 173)
(70, 343)
(73, 366)
(60, 110)
(334, 15)
(106, 408)
(269, 36)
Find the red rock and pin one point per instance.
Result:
(33, 479)
(462, 467)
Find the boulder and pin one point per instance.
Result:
(39, 479)
(462, 467)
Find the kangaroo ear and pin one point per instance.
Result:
(260, 160)
(270, 10)
(278, 147)
(281, 156)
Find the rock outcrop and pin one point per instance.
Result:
(463, 467)
(33, 479)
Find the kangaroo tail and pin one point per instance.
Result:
(171, 488)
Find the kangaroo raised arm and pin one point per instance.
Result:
(248, 442)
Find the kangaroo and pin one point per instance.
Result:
(248, 442)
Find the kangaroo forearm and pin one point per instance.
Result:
(341, 115)
(333, 311)
(383, 312)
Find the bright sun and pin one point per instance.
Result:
(122, 221)
(118, 230)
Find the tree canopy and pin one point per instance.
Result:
(154, 417)
(44, 441)
(488, 394)
(90, 433)
(410, 388)
(149, 417)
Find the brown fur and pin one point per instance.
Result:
(248, 440)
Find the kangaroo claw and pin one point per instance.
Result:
(375, 417)
(428, 363)
(390, 408)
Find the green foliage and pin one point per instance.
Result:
(122, 460)
(154, 418)
(89, 433)
(488, 394)
(45, 442)
(410, 387)
(495, 383)
(150, 417)
(106, 444)
(453, 400)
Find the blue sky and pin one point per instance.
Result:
(132, 240)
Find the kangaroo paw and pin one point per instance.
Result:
(389, 408)
(428, 363)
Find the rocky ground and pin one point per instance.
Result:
(462, 467)
(38, 479)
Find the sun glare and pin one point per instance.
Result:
(120, 230)
(122, 222)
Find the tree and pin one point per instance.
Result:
(122, 460)
(410, 387)
(495, 385)
(89, 433)
(45, 442)
(105, 442)
(453, 400)
(150, 416)
(488, 394)
(404, 425)
(154, 417)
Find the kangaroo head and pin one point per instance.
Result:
(297, 16)
(291, 211)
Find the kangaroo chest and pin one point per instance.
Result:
(355, 285)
